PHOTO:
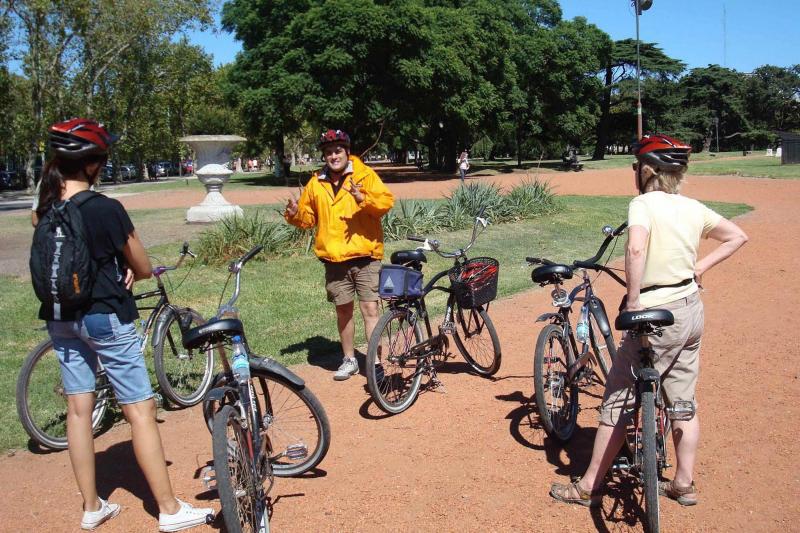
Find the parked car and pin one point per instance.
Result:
(8, 179)
(188, 166)
(127, 172)
(107, 174)
(156, 170)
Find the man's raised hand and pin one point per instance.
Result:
(355, 190)
(291, 205)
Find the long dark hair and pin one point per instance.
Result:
(55, 172)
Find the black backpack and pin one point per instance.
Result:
(62, 268)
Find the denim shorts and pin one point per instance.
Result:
(79, 344)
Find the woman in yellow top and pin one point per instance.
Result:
(345, 202)
(663, 271)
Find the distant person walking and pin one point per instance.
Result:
(345, 202)
(463, 164)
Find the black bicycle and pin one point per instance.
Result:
(566, 358)
(646, 435)
(268, 424)
(183, 376)
(400, 351)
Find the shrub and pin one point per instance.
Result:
(529, 199)
(409, 217)
(233, 236)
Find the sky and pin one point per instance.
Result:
(756, 33)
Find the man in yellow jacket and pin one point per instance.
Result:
(345, 201)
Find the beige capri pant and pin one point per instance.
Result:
(677, 359)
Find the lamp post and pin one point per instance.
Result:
(639, 6)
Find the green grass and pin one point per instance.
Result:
(757, 166)
(283, 299)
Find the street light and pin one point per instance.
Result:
(639, 5)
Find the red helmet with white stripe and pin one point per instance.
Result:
(79, 137)
(662, 153)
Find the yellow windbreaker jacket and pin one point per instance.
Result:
(345, 229)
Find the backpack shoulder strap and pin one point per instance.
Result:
(83, 197)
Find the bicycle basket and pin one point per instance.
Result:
(475, 282)
(397, 281)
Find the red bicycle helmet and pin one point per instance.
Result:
(79, 137)
(334, 137)
(662, 153)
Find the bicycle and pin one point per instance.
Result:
(257, 423)
(399, 353)
(183, 377)
(560, 367)
(646, 436)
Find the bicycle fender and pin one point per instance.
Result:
(548, 316)
(271, 366)
(598, 311)
(161, 324)
(217, 394)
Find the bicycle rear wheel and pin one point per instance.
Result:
(556, 397)
(238, 490)
(184, 376)
(42, 403)
(294, 420)
(477, 340)
(396, 332)
(650, 460)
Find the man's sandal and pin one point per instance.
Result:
(682, 495)
(564, 493)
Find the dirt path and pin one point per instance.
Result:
(474, 459)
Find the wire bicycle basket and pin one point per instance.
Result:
(475, 282)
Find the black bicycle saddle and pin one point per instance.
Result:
(654, 317)
(212, 332)
(551, 273)
(404, 257)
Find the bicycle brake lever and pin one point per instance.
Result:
(426, 246)
(482, 221)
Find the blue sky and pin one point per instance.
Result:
(758, 33)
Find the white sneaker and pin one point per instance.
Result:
(186, 517)
(349, 367)
(107, 511)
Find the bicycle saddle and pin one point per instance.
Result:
(551, 273)
(404, 257)
(212, 331)
(653, 317)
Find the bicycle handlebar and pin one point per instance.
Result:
(159, 270)
(433, 244)
(591, 262)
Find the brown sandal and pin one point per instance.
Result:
(562, 492)
(683, 495)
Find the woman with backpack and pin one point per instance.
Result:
(101, 327)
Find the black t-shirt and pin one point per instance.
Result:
(108, 227)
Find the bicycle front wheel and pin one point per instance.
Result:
(650, 460)
(390, 344)
(236, 482)
(556, 397)
(477, 340)
(42, 403)
(184, 376)
(293, 418)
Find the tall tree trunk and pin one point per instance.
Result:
(602, 125)
(282, 167)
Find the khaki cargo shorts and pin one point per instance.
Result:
(677, 359)
(354, 277)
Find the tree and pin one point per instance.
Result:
(619, 62)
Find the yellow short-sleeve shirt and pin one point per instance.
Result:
(675, 225)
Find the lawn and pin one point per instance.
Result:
(282, 302)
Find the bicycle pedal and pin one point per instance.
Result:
(296, 451)
(208, 477)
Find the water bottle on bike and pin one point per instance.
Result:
(240, 364)
(582, 328)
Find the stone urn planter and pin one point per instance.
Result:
(212, 152)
